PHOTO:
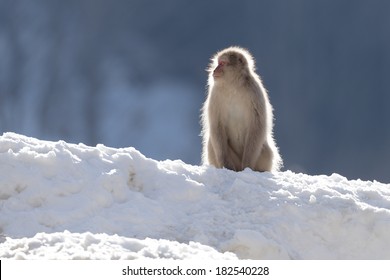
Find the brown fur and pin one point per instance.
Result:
(237, 116)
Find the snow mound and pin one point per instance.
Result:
(76, 246)
(61, 200)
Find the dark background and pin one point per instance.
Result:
(132, 73)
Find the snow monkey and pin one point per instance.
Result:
(237, 116)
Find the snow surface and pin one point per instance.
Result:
(68, 201)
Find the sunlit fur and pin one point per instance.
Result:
(237, 117)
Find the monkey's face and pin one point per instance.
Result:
(229, 66)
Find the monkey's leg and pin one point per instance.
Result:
(234, 160)
(218, 147)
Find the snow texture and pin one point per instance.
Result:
(68, 201)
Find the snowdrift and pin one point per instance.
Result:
(68, 201)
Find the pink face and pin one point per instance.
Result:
(218, 71)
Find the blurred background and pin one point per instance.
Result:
(132, 73)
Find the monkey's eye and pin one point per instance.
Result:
(221, 63)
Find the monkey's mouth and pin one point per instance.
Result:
(217, 74)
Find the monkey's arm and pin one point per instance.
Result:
(252, 151)
(217, 145)
(255, 139)
(220, 152)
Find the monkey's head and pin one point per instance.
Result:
(231, 64)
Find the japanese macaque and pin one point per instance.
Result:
(237, 116)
